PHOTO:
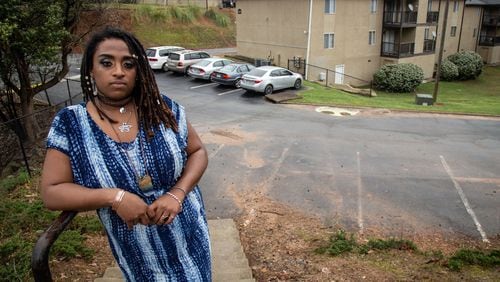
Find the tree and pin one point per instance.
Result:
(36, 38)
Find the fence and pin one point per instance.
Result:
(339, 80)
(13, 149)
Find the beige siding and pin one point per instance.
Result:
(275, 30)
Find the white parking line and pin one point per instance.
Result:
(464, 200)
(360, 199)
(203, 85)
(216, 151)
(229, 92)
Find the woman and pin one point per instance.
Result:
(130, 153)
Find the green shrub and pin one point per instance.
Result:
(469, 64)
(449, 71)
(339, 243)
(182, 14)
(220, 19)
(398, 77)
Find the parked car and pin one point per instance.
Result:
(157, 56)
(204, 68)
(231, 74)
(180, 61)
(266, 79)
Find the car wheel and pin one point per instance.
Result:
(237, 83)
(164, 67)
(269, 89)
(297, 84)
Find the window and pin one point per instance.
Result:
(329, 6)
(453, 31)
(455, 6)
(474, 33)
(426, 33)
(371, 37)
(373, 6)
(329, 40)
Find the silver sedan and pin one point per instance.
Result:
(204, 68)
(266, 79)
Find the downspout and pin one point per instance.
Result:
(480, 27)
(308, 51)
(461, 28)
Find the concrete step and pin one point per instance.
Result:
(229, 262)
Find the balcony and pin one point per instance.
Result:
(397, 50)
(489, 40)
(491, 20)
(400, 18)
(432, 17)
(429, 46)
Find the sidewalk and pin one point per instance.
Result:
(229, 262)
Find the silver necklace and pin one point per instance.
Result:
(125, 126)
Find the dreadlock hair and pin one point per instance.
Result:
(151, 108)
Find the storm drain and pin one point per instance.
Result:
(338, 112)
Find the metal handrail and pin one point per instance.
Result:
(40, 256)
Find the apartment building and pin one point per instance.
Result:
(355, 37)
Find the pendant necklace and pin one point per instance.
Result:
(125, 127)
(144, 182)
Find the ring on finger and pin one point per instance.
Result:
(165, 218)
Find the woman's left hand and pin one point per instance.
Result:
(165, 209)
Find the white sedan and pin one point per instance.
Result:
(204, 68)
(266, 79)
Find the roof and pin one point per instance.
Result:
(482, 2)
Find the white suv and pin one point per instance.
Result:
(180, 61)
(157, 56)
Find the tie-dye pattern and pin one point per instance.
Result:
(176, 252)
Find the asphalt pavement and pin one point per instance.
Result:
(376, 170)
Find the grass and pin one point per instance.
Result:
(187, 26)
(342, 242)
(22, 215)
(480, 96)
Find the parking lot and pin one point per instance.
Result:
(373, 171)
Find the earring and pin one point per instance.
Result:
(95, 93)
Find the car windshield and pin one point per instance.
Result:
(203, 63)
(229, 68)
(150, 52)
(257, 72)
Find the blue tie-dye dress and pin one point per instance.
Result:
(179, 251)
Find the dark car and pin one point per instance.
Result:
(231, 74)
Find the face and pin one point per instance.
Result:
(114, 69)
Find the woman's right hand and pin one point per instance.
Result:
(133, 210)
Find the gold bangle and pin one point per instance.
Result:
(175, 198)
(118, 199)
(179, 188)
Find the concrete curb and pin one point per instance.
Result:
(229, 262)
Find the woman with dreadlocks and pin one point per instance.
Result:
(130, 153)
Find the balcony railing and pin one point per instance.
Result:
(400, 18)
(432, 17)
(429, 45)
(489, 40)
(396, 50)
(492, 20)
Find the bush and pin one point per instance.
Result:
(469, 64)
(449, 71)
(220, 19)
(398, 77)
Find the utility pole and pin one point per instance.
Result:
(441, 48)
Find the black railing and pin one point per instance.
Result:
(400, 18)
(493, 20)
(432, 17)
(40, 256)
(489, 40)
(396, 50)
(429, 45)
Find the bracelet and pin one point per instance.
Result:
(179, 188)
(175, 198)
(118, 199)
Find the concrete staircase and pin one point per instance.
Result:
(229, 262)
